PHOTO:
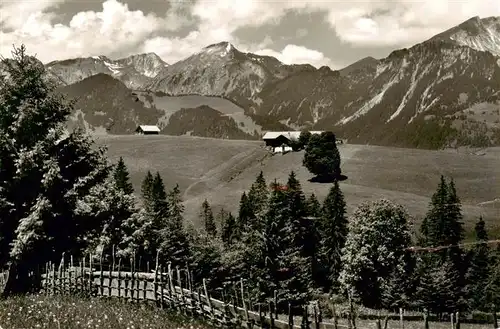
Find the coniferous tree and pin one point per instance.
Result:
(300, 243)
(479, 269)
(121, 177)
(314, 206)
(442, 226)
(49, 181)
(333, 229)
(146, 191)
(174, 243)
(257, 198)
(208, 219)
(228, 229)
(159, 197)
(245, 214)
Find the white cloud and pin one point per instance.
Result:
(293, 54)
(401, 23)
(115, 29)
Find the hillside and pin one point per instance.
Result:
(220, 170)
(105, 105)
(204, 121)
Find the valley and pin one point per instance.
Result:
(221, 170)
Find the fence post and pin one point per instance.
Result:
(271, 315)
(290, 316)
(111, 268)
(401, 318)
(91, 273)
(131, 286)
(245, 309)
(120, 277)
(179, 282)
(457, 320)
(70, 274)
(316, 320)
(209, 301)
(84, 286)
(101, 274)
(161, 287)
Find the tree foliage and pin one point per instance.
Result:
(51, 181)
(375, 248)
(322, 157)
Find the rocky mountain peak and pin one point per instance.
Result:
(221, 49)
(481, 34)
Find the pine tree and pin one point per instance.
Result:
(245, 214)
(208, 219)
(146, 191)
(174, 244)
(122, 179)
(479, 269)
(436, 291)
(47, 177)
(228, 230)
(314, 206)
(442, 226)
(375, 248)
(159, 197)
(333, 229)
(258, 197)
(300, 246)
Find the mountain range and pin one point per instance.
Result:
(443, 92)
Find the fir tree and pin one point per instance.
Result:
(257, 198)
(299, 251)
(159, 197)
(479, 269)
(314, 206)
(48, 179)
(333, 229)
(174, 244)
(121, 177)
(228, 230)
(245, 214)
(442, 226)
(208, 219)
(146, 191)
(437, 290)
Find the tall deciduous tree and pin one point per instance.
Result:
(322, 158)
(375, 248)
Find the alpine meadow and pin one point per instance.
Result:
(216, 187)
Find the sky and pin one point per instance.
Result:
(318, 32)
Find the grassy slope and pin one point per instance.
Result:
(220, 170)
(67, 312)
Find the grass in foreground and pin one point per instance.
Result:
(68, 312)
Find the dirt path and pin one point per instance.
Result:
(225, 172)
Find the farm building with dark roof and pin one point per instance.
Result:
(147, 130)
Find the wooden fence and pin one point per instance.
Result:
(169, 289)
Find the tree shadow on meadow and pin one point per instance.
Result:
(328, 179)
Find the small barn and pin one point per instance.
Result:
(279, 138)
(147, 130)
